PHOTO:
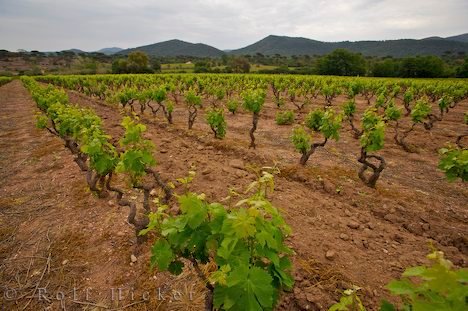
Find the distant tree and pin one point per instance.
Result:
(91, 66)
(37, 53)
(137, 62)
(462, 71)
(239, 64)
(342, 62)
(155, 65)
(422, 67)
(225, 59)
(201, 67)
(119, 66)
(386, 68)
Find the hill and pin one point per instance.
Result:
(289, 46)
(109, 51)
(76, 51)
(177, 48)
(460, 38)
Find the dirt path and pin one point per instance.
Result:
(57, 241)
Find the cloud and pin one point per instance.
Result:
(93, 24)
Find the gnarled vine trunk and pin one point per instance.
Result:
(459, 140)
(400, 137)
(371, 180)
(355, 131)
(305, 156)
(192, 116)
(139, 224)
(253, 129)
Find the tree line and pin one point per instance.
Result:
(340, 62)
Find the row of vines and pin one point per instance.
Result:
(395, 106)
(245, 240)
(4, 80)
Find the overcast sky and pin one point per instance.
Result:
(89, 25)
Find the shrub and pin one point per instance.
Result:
(285, 117)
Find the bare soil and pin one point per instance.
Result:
(50, 221)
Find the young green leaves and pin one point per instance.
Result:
(372, 139)
(253, 102)
(420, 111)
(246, 242)
(217, 123)
(349, 108)
(439, 286)
(454, 163)
(321, 121)
(285, 117)
(373, 127)
(392, 112)
(193, 102)
(232, 106)
(138, 151)
(301, 139)
(325, 122)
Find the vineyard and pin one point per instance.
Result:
(254, 192)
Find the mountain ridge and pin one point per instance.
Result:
(176, 47)
(109, 51)
(288, 46)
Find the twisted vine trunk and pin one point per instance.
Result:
(371, 180)
(146, 194)
(432, 119)
(459, 140)
(276, 94)
(175, 98)
(253, 129)
(328, 101)
(305, 156)
(143, 106)
(299, 106)
(355, 131)
(368, 97)
(153, 110)
(92, 179)
(131, 218)
(214, 131)
(192, 116)
(80, 158)
(400, 137)
(167, 190)
(166, 113)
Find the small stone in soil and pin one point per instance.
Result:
(344, 236)
(330, 255)
(353, 224)
(236, 163)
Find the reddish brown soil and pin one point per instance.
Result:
(372, 234)
(56, 236)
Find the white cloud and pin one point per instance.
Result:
(93, 24)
